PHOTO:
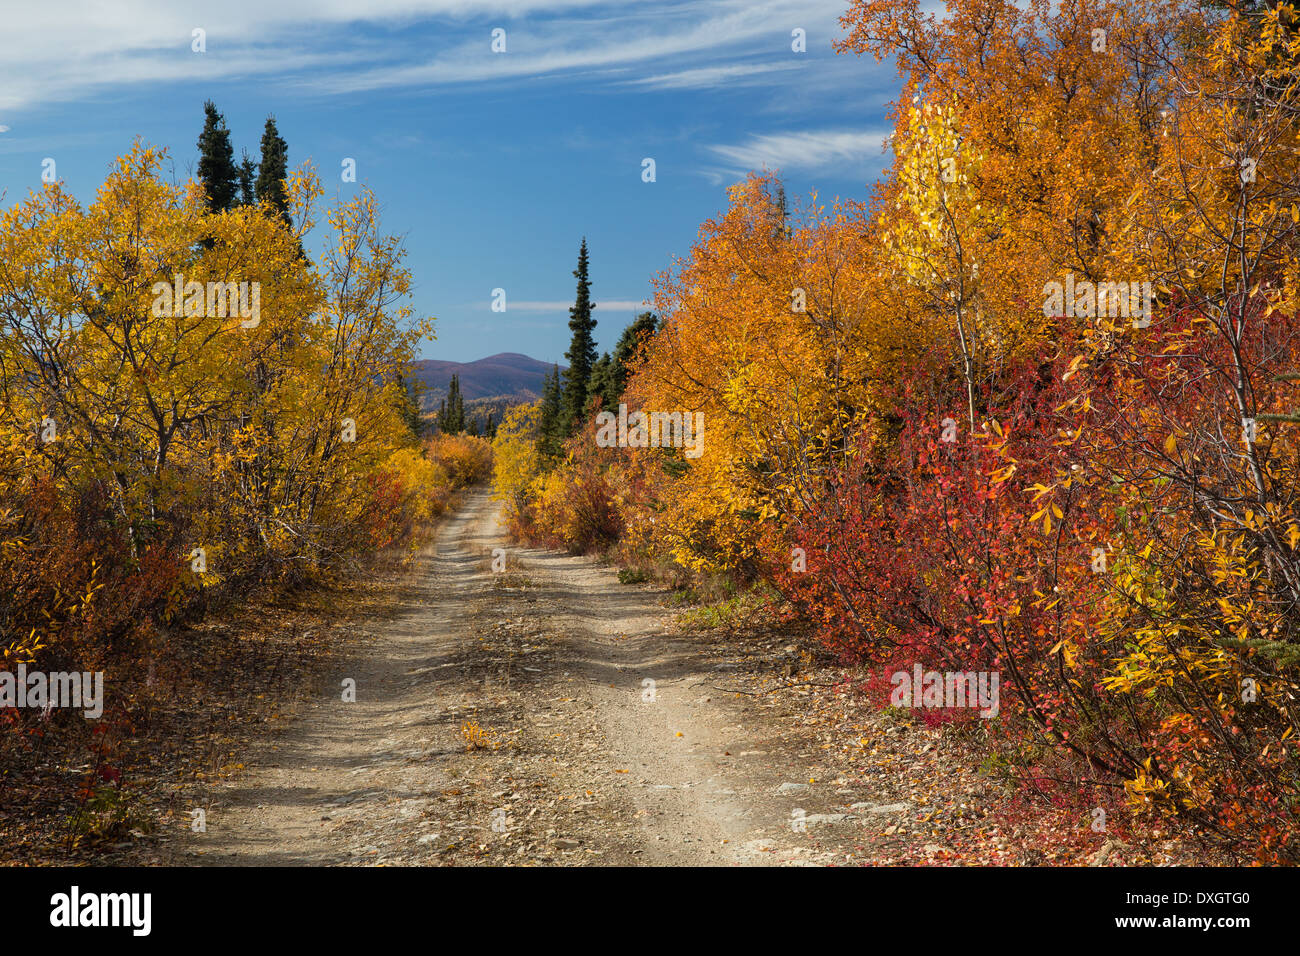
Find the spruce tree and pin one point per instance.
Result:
(459, 420)
(642, 327)
(782, 208)
(451, 410)
(549, 423)
(216, 170)
(273, 169)
(582, 349)
(247, 173)
(601, 386)
(409, 404)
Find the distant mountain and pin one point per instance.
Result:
(508, 375)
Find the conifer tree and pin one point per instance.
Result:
(451, 410)
(601, 387)
(550, 425)
(582, 349)
(247, 174)
(410, 404)
(273, 169)
(642, 327)
(216, 170)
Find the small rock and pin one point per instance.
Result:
(793, 788)
(816, 819)
(1102, 855)
(880, 808)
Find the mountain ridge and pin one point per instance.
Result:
(503, 375)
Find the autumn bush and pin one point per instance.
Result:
(517, 467)
(575, 508)
(574, 505)
(154, 459)
(466, 459)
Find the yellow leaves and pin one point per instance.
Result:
(1146, 787)
(478, 738)
(1039, 490)
(771, 382)
(1046, 513)
(1171, 444)
(515, 454)
(1075, 364)
(1068, 649)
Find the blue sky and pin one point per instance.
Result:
(492, 166)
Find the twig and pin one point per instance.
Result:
(771, 690)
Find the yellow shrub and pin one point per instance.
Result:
(515, 456)
(467, 459)
(425, 484)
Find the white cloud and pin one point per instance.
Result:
(315, 43)
(809, 150)
(710, 76)
(608, 305)
(624, 38)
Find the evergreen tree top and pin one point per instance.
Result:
(216, 169)
(273, 170)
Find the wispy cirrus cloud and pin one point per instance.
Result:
(713, 76)
(808, 150)
(339, 46)
(620, 40)
(609, 305)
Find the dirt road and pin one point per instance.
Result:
(603, 736)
